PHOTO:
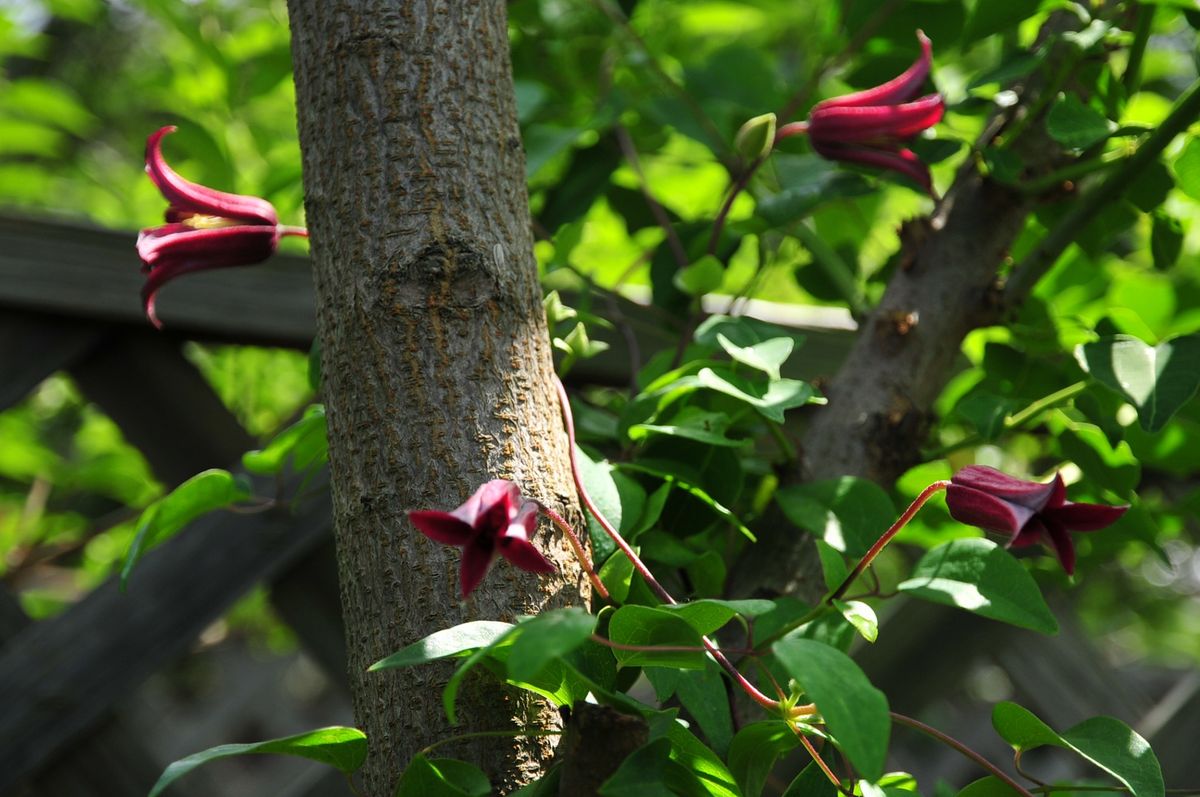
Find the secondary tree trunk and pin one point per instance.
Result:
(436, 360)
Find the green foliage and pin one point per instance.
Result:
(344, 749)
(1104, 741)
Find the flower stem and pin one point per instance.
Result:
(962, 748)
(577, 546)
(644, 572)
(735, 188)
(816, 757)
(886, 537)
(299, 232)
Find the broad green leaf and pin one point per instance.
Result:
(978, 575)
(703, 276)
(694, 755)
(1187, 168)
(990, 786)
(344, 749)
(598, 479)
(1166, 239)
(203, 493)
(855, 712)
(989, 18)
(647, 627)
(811, 782)
(1157, 380)
(649, 772)
(546, 637)
(617, 575)
(861, 616)
(1077, 125)
(305, 444)
(454, 641)
(767, 356)
(833, 565)
(848, 513)
(708, 615)
(692, 423)
(702, 693)
(742, 331)
(1104, 741)
(442, 777)
(669, 471)
(770, 400)
(754, 751)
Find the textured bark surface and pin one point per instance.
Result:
(436, 360)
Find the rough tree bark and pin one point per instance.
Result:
(435, 355)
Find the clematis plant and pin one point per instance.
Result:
(205, 228)
(872, 126)
(1029, 512)
(494, 521)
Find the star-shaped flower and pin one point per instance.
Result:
(205, 228)
(872, 126)
(1029, 512)
(494, 521)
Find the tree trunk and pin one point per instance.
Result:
(436, 360)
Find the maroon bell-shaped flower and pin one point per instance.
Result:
(1029, 512)
(205, 228)
(494, 521)
(871, 127)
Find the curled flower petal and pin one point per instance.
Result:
(476, 559)
(986, 511)
(188, 198)
(441, 527)
(521, 553)
(876, 122)
(1029, 512)
(901, 88)
(902, 161)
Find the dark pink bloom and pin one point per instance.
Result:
(871, 127)
(1029, 512)
(205, 228)
(492, 521)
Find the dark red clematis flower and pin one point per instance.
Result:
(1030, 512)
(205, 228)
(872, 126)
(494, 521)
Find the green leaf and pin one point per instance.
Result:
(1104, 741)
(304, 443)
(648, 772)
(855, 712)
(1187, 168)
(754, 751)
(456, 641)
(861, 616)
(847, 513)
(708, 615)
(833, 565)
(442, 777)
(978, 575)
(667, 470)
(203, 493)
(989, 18)
(767, 356)
(811, 782)
(1157, 380)
(597, 477)
(1075, 124)
(990, 786)
(692, 754)
(344, 749)
(1166, 239)
(692, 423)
(742, 331)
(644, 626)
(771, 401)
(546, 637)
(702, 693)
(703, 276)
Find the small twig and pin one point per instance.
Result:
(962, 748)
(1017, 419)
(656, 208)
(580, 554)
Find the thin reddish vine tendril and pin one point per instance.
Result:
(950, 741)
(887, 536)
(640, 566)
(580, 554)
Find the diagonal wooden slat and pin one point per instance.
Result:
(59, 676)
